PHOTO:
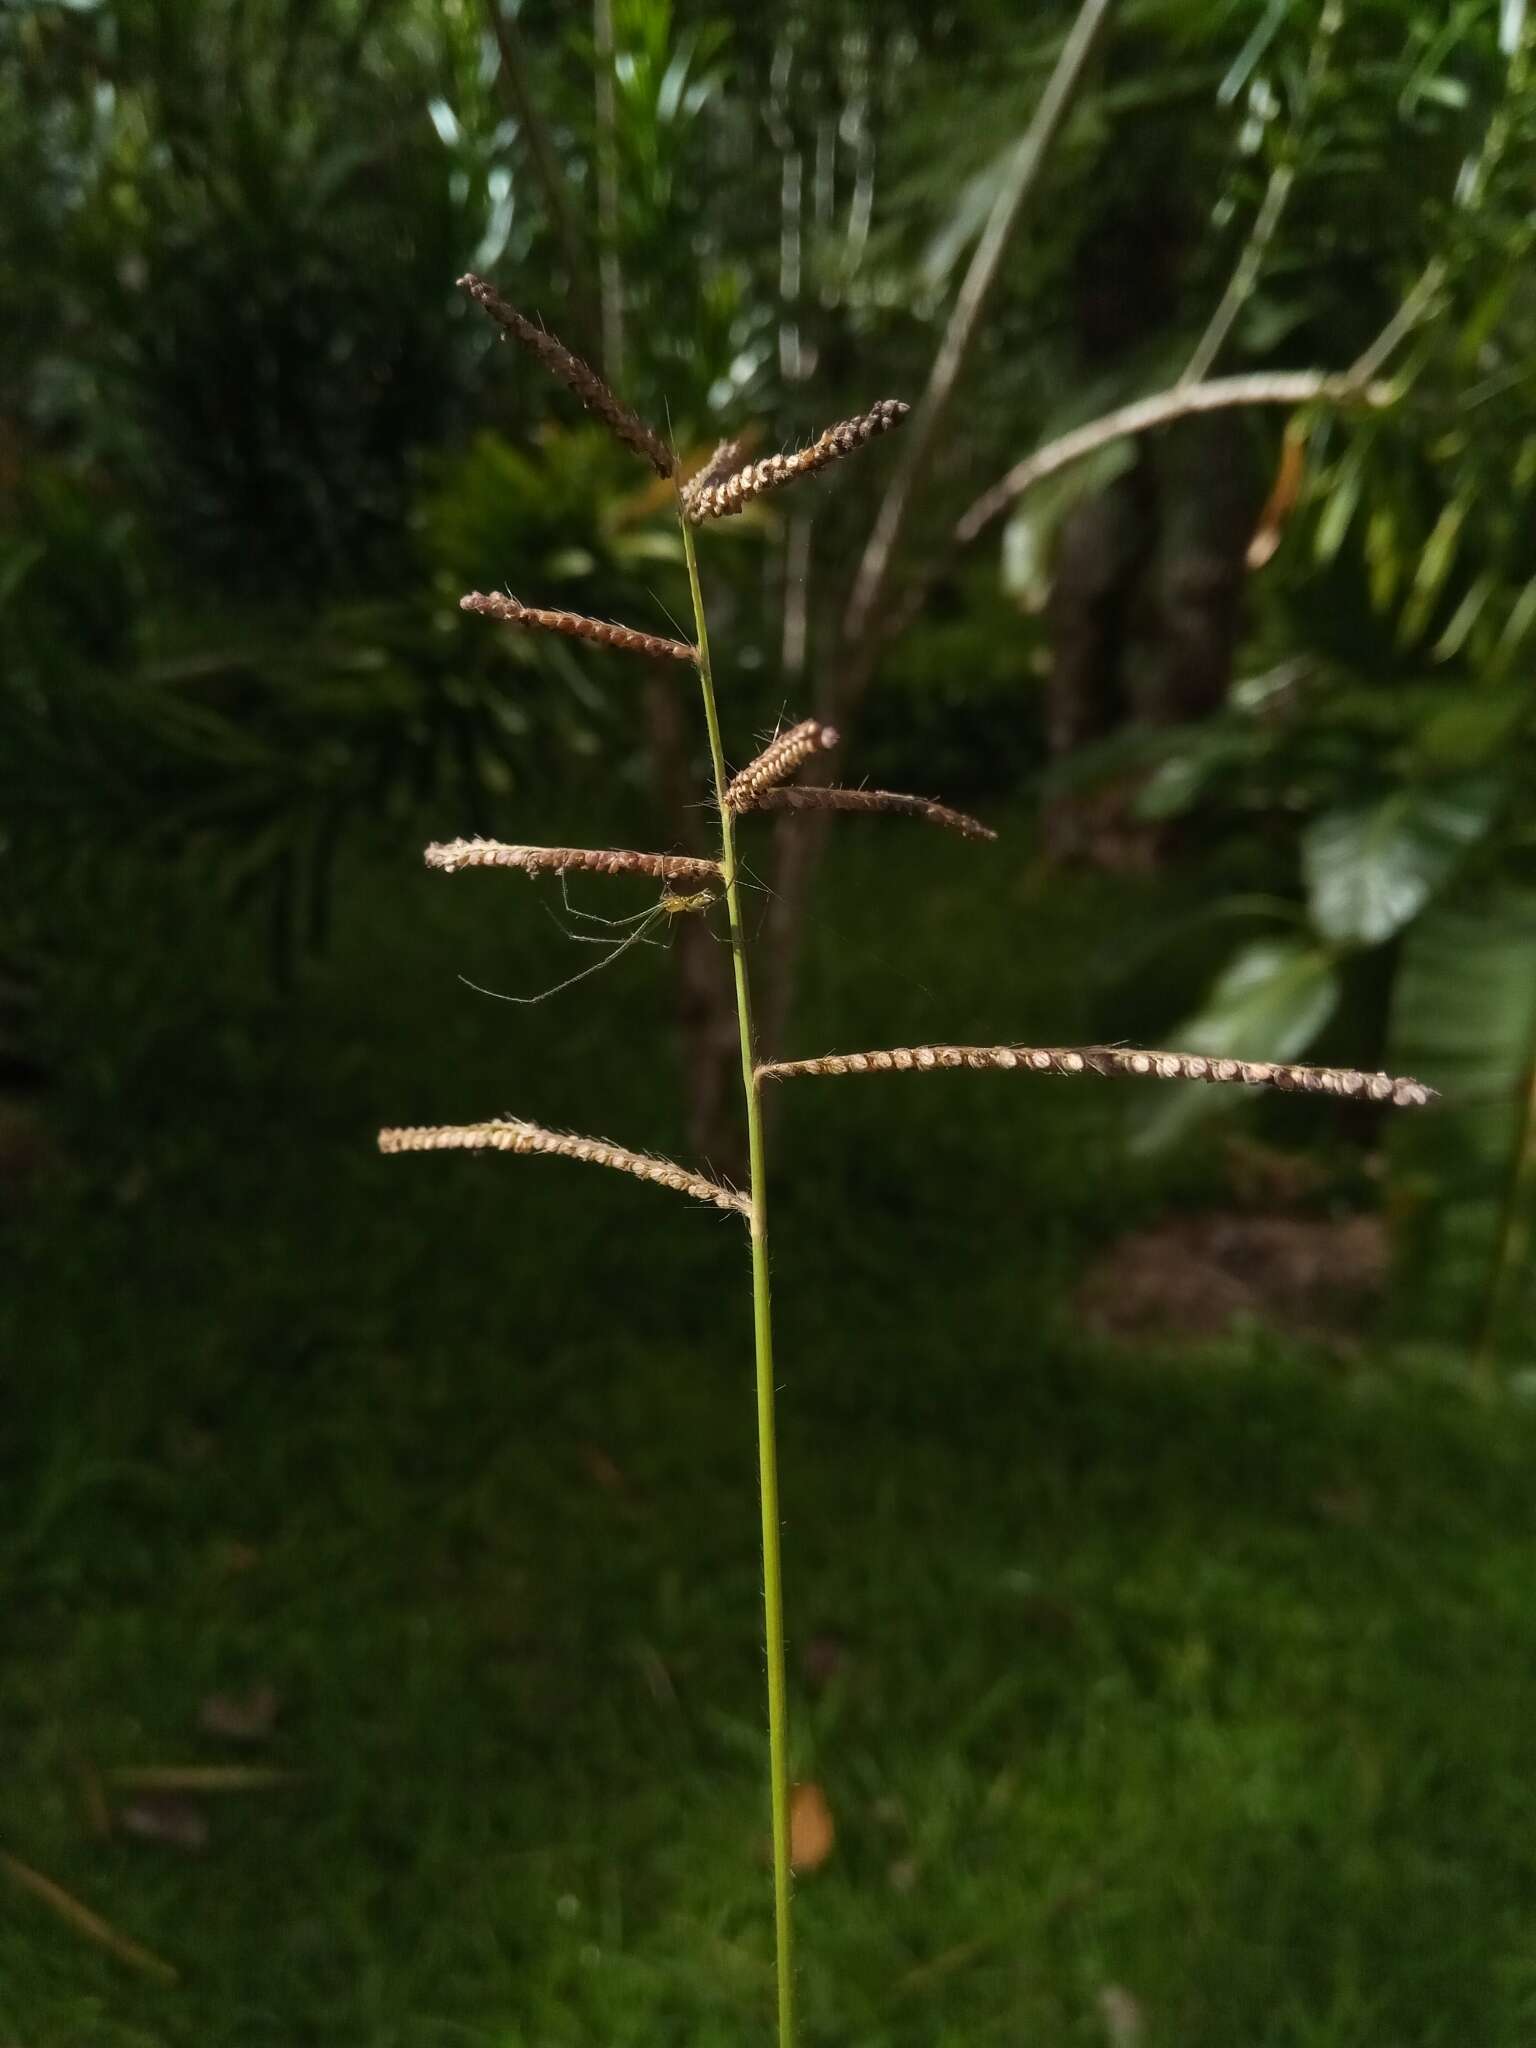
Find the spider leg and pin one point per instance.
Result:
(597, 967)
(591, 938)
(591, 916)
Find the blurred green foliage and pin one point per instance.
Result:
(1199, 1672)
(252, 448)
(252, 445)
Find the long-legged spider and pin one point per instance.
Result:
(643, 923)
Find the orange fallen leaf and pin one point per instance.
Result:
(812, 1833)
(602, 1470)
(240, 1716)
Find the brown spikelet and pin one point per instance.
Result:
(779, 760)
(576, 626)
(577, 377)
(511, 1134)
(1348, 1082)
(709, 497)
(726, 458)
(815, 797)
(560, 860)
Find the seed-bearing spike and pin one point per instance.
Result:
(560, 860)
(511, 1134)
(578, 377)
(1114, 1060)
(576, 626)
(709, 497)
(815, 796)
(779, 760)
(726, 458)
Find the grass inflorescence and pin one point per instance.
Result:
(453, 855)
(577, 376)
(718, 491)
(712, 495)
(575, 626)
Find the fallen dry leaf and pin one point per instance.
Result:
(1122, 2017)
(602, 1470)
(812, 1833)
(1283, 494)
(162, 1817)
(202, 1777)
(240, 1716)
(610, 1476)
(83, 1920)
(233, 1557)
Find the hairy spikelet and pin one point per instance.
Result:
(510, 1134)
(576, 626)
(726, 458)
(577, 377)
(711, 497)
(815, 797)
(778, 761)
(561, 860)
(1348, 1082)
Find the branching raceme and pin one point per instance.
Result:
(721, 489)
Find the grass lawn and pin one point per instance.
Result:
(1162, 1701)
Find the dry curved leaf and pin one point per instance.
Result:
(240, 1716)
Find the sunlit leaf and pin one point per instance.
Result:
(1383, 556)
(1521, 618)
(1179, 781)
(1251, 55)
(1439, 552)
(1370, 868)
(1268, 1004)
(1464, 618)
(1030, 533)
(1339, 508)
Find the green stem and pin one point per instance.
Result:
(762, 1328)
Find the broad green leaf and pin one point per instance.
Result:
(1464, 1021)
(1268, 1004)
(1177, 784)
(1370, 869)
